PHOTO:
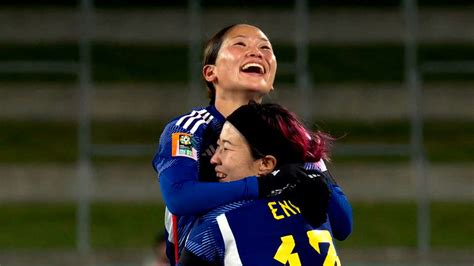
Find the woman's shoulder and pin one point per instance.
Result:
(189, 122)
(195, 112)
(212, 215)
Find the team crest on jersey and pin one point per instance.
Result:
(182, 145)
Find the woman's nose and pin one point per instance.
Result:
(214, 159)
(254, 51)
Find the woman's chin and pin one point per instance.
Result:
(258, 89)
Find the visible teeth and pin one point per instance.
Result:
(246, 66)
(221, 175)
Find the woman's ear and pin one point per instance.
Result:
(208, 72)
(267, 165)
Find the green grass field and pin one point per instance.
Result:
(126, 225)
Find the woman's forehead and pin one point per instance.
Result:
(244, 30)
(231, 134)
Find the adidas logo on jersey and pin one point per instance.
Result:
(209, 151)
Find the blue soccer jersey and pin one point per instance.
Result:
(183, 160)
(261, 232)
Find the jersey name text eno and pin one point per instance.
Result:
(282, 209)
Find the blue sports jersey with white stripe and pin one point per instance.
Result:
(261, 232)
(183, 160)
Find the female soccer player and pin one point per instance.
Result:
(239, 66)
(268, 231)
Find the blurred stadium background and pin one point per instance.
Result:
(86, 87)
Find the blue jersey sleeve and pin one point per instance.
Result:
(178, 171)
(339, 209)
(340, 213)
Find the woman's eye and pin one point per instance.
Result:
(240, 44)
(266, 47)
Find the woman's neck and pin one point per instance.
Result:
(229, 103)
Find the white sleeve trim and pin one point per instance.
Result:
(169, 225)
(321, 166)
